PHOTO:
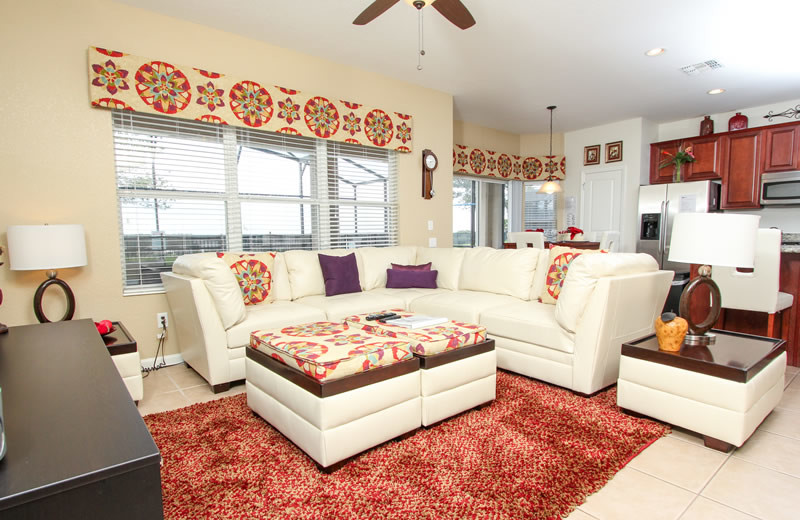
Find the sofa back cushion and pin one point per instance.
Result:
(282, 289)
(560, 261)
(499, 271)
(254, 273)
(305, 273)
(583, 275)
(220, 282)
(376, 260)
(540, 275)
(446, 260)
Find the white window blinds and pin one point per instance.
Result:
(540, 208)
(187, 187)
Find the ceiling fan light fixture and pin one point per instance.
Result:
(656, 51)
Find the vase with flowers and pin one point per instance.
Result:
(682, 156)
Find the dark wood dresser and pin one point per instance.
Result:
(77, 446)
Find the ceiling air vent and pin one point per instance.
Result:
(704, 66)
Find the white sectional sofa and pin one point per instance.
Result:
(606, 299)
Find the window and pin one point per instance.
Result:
(540, 209)
(186, 187)
(480, 211)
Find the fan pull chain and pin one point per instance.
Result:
(421, 42)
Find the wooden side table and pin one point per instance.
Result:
(722, 391)
(123, 350)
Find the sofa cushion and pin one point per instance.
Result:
(305, 273)
(281, 287)
(465, 306)
(585, 271)
(342, 305)
(376, 260)
(408, 295)
(500, 271)
(270, 315)
(340, 274)
(446, 260)
(220, 282)
(560, 259)
(529, 322)
(540, 275)
(407, 278)
(254, 273)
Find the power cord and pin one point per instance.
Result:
(159, 348)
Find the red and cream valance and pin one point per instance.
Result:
(488, 163)
(124, 81)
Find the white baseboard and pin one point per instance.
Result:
(171, 359)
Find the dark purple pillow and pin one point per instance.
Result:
(340, 274)
(401, 279)
(423, 267)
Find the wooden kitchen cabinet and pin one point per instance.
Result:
(707, 158)
(741, 175)
(781, 148)
(663, 175)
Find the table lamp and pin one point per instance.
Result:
(723, 239)
(48, 248)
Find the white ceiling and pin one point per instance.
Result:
(585, 56)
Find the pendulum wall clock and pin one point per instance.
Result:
(429, 163)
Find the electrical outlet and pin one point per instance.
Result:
(158, 319)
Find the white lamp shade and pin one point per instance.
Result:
(550, 187)
(46, 247)
(723, 239)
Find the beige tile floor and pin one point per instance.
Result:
(675, 478)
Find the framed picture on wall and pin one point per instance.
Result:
(614, 151)
(591, 155)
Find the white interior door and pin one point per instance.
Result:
(601, 202)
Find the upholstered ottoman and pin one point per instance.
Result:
(332, 389)
(458, 364)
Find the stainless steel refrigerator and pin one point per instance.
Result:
(658, 205)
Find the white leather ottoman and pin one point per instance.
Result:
(722, 391)
(458, 365)
(333, 390)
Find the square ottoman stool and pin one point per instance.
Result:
(333, 390)
(458, 364)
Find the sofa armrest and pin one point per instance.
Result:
(201, 336)
(620, 309)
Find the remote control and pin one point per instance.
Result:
(395, 317)
(372, 317)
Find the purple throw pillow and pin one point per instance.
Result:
(423, 267)
(401, 279)
(340, 274)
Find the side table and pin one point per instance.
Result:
(123, 351)
(722, 391)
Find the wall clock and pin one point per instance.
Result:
(429, 163)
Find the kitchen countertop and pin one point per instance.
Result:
(790, 243)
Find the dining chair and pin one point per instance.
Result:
(523, 238)
(609, 241)
(756, 291)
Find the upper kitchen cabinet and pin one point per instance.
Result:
(707, 158)
(659, 152)
(781, 148)
(741, 177)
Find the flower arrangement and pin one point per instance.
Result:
(678, 158)
(573, 232)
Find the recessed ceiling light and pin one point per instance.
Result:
(715, 91)
(656, 52)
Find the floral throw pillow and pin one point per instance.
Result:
(560, 258)
(254, 272)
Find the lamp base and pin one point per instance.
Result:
(699, 339)
(698, 330)
(37, 298)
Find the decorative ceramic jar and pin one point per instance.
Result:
(737, 122)
(706, 126)
(670, 331)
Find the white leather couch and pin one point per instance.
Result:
(606, 299)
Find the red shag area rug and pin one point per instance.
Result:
(536, 452)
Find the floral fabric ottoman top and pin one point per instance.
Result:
(325, 350)
(425, 341)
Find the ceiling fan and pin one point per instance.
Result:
(453, 10)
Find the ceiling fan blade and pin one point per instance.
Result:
(375, 9)
(456, 12)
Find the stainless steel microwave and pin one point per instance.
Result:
(780, 188)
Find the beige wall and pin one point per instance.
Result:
(539, 144)
(470, 134)
(56, 151)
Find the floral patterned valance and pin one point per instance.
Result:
(124, 81)
(488, 163)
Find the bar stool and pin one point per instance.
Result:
(523, 238)
(756, 291)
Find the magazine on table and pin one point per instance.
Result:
(417, 322)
